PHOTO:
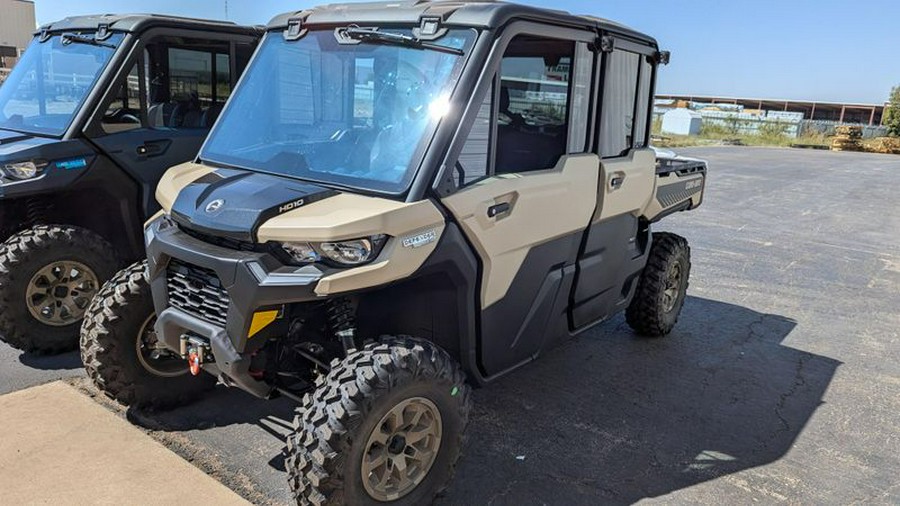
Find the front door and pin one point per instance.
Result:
(159, 114)
(528, 192)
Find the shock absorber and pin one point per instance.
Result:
(35, 212)
(342, 321)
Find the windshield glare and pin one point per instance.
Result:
(50, 82)
(348, 114)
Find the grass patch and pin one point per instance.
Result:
(717, 135)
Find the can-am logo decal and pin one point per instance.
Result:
(215, 205)
(73, 164)
(690, 185)
(291, 205)
(415, 241)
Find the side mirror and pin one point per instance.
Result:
(663, 57)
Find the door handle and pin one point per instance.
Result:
(616, 180)
(153, 148)
(498, 209)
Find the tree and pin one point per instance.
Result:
(892, 113)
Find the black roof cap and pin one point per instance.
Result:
(141, 22)
(475, 13)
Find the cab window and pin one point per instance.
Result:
(624, 112)
(533, 103)
(534, 113)
(177, 84)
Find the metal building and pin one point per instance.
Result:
(841, 112)
(17, 24)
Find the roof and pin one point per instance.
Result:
(477, 13)
(141, 22)
(719, 98)
(683, 112)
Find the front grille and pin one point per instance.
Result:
(224, 242)
(197, 291)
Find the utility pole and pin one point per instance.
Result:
(226, 10)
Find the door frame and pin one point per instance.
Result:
(444, 184)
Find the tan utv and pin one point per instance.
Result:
(399, 201)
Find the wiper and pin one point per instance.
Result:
(68, 38)
(374, 36)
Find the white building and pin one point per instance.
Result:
(17, 24)
(681, 122)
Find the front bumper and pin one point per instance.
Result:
(251, 279)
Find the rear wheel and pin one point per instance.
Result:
(121, 353)
(385, 425)
(48, 276)
(662, 287)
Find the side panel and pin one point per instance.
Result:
(526, 229)
(614, 249)
(166, 148)
(628, 183)
(614, 255)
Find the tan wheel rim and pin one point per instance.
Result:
(401, 449)
(59, 293)
(154, 357)
(673, 287)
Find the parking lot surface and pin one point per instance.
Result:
(780, 383)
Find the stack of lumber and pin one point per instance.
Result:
(886, 145)
(848, 138)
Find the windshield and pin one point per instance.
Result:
(353, 114)
(51, 81)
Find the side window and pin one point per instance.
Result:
(533, 108)
(535, 112)
(617, 111)
(124, 112)
(474, 159)
(186, 83)
(644, 100)
(581, 93)
(189, 82)
(190, 86)
(223, 78)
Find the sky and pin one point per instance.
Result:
(825, 50)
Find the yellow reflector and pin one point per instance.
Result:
(260, 320)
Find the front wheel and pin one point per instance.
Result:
(385, 425)
(48, 276)
(662, 286)
(121, 353)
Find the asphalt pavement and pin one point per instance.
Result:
(780, 383)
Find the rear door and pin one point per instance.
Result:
(161, 107)
(527, 190)
(615, 246)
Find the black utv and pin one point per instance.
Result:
(90, 118)
(399, 201)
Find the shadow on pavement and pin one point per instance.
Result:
(613, 418)
(607, 418)
(222, 407)
(65, 361)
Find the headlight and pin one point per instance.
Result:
(24, 170)
(345, 253)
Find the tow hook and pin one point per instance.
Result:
(196, 351)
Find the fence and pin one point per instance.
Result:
(789, 124)
(827, 128)
(739, 123)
